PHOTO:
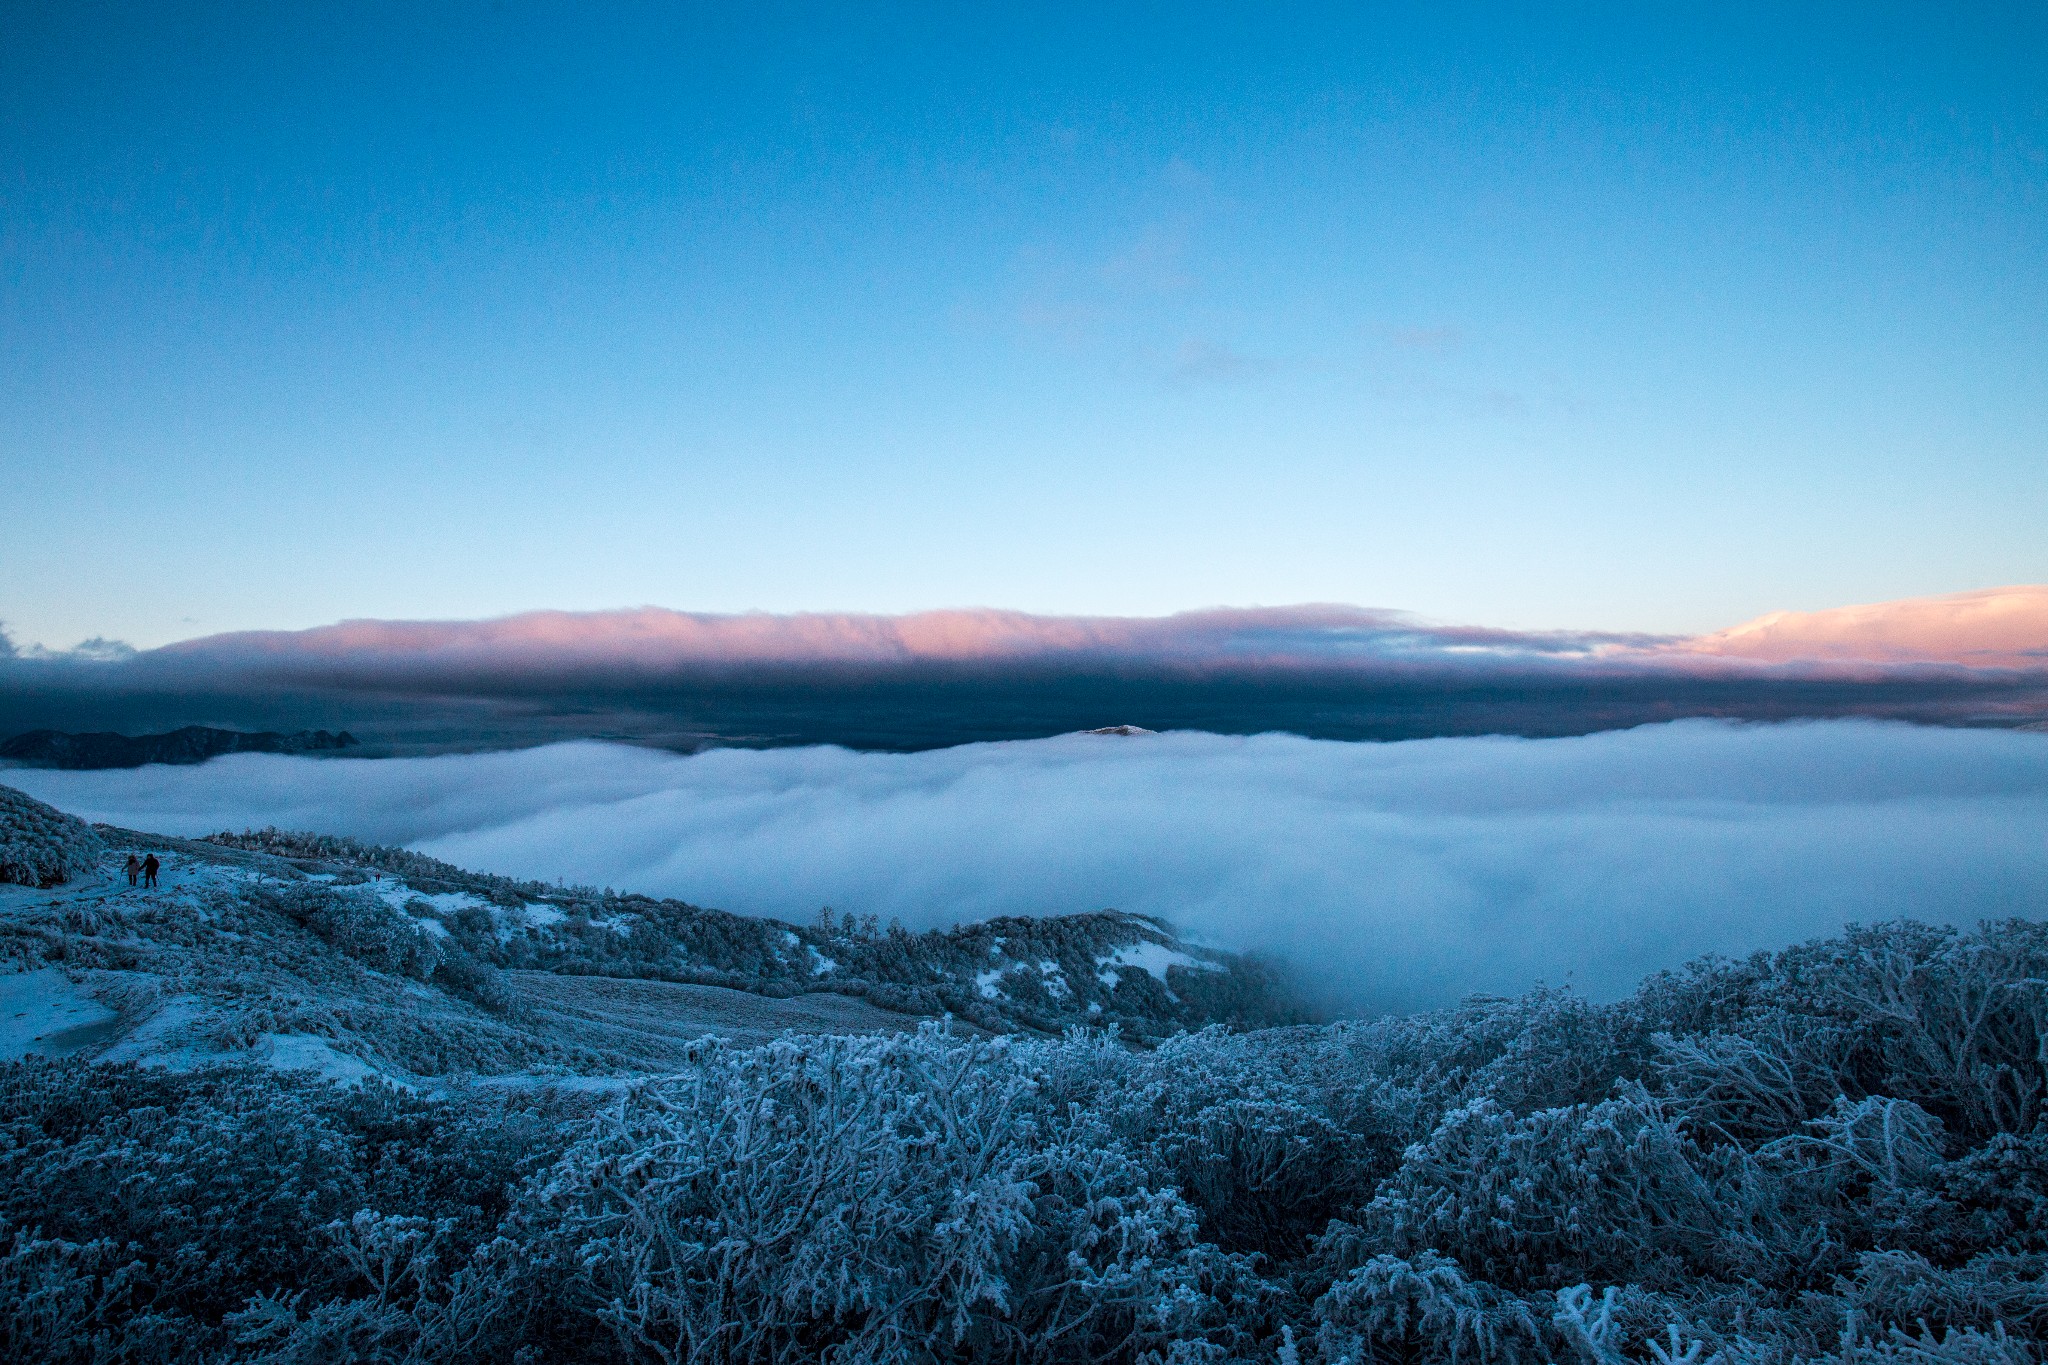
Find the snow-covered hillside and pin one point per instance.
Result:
(298, 951)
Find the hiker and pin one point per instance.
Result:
(149, 867)
(134, 869)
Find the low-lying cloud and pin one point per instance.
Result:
(1392, 875)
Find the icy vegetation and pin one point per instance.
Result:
(349, 1104)
(40, 845)
(1834, 1153)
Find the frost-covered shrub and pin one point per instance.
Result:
(2001, 1193)
(413, 1297)
(64, 1302)
(1884, 1346)
(1956, 1022)
(146, 1207)
(878, 1199)
(41, 845)
(357, 923)
(1982, 1294)
(1539, 1051)
(1761, 1083)
(1259, 1137)
(1425, 1309)
(1610, 1192)
(462, 972)
(1808, 1157)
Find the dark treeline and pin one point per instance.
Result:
(1832, 1153)
(936, 706)
(192, 744)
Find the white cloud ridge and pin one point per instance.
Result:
(1396, 875)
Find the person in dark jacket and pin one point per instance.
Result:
(149, 867)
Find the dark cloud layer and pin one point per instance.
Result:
(685, 680)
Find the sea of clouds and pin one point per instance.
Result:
(1391, 875)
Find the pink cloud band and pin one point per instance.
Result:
(1997, 632)
(653, 638)
(1999, 628)
(1994, 628)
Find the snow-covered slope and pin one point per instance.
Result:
(304, 953)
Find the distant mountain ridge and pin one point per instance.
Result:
(192, 744)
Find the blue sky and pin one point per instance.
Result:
(1610, 320)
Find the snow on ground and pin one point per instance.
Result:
(304, 1052)
(398, 896)
(1156, 958)
(655, 1020)
(567, 1082)
(1147, 957)
(42, 1014)
(989, 983)
(213, 995)
(171, 1037)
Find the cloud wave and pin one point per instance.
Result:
(653, 641)
(1399, 875)
(1995, 628)
(685, 680)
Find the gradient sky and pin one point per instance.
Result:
(1627, 321)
